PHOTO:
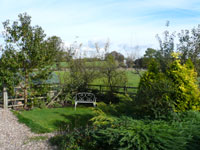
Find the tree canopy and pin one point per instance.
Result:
(30, 53)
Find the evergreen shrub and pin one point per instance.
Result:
(161, 93)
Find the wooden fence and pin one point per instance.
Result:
(6, 102)
(117, 89)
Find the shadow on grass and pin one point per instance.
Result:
(59, 122)
(36, 128)
(73, 121)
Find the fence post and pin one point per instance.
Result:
(100, 88)
(51, 94)
(5, 98)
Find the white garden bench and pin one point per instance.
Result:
(85, 97)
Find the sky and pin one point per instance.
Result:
(129, 25)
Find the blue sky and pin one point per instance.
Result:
(130, 25)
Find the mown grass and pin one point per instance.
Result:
(49, 120)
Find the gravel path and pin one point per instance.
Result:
(16, 136)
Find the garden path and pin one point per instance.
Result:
(16, 136)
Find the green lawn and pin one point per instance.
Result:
(49, 120)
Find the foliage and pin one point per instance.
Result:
(154, 93)
(81, 74)
(112, 76)
(126, 133)
(35, 102)
(167, 46)
(8, 72)
(122, 106)
(117, 56)
(129, 62)
(142, 63)
(57, 105)
(188, 46)
(150, 53)
(184, 79)
(33, 54)
(161, 93)
(101, 118)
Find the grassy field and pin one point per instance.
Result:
(49, 120)
(133, 78)
(66, 64)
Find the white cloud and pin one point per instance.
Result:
(130, 22)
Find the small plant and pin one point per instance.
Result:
(100, 118)
(57, 105)
(35, 139)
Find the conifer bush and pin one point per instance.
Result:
(161, 93)
(184, 79)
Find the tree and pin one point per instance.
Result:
(150, 53)
(32, 52)
(82, 73)
(58, 46)
(112, 76)
(144, 61)
(8, 70)
(129, 62)
(189, 46)
(131, 56)
(117, 56)
(141, 63)
(167, 47)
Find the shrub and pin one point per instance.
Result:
(125, 133)
(161, 93)
(154, 93)
(123, 107)
(184, 79)
(101, 118)
(81, 74)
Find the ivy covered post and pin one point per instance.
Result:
(5, 98)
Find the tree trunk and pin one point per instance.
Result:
(26, 90)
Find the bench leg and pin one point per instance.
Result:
(94, 104)
(75, 105)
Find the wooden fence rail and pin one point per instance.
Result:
(7, 102)
(124, 89)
